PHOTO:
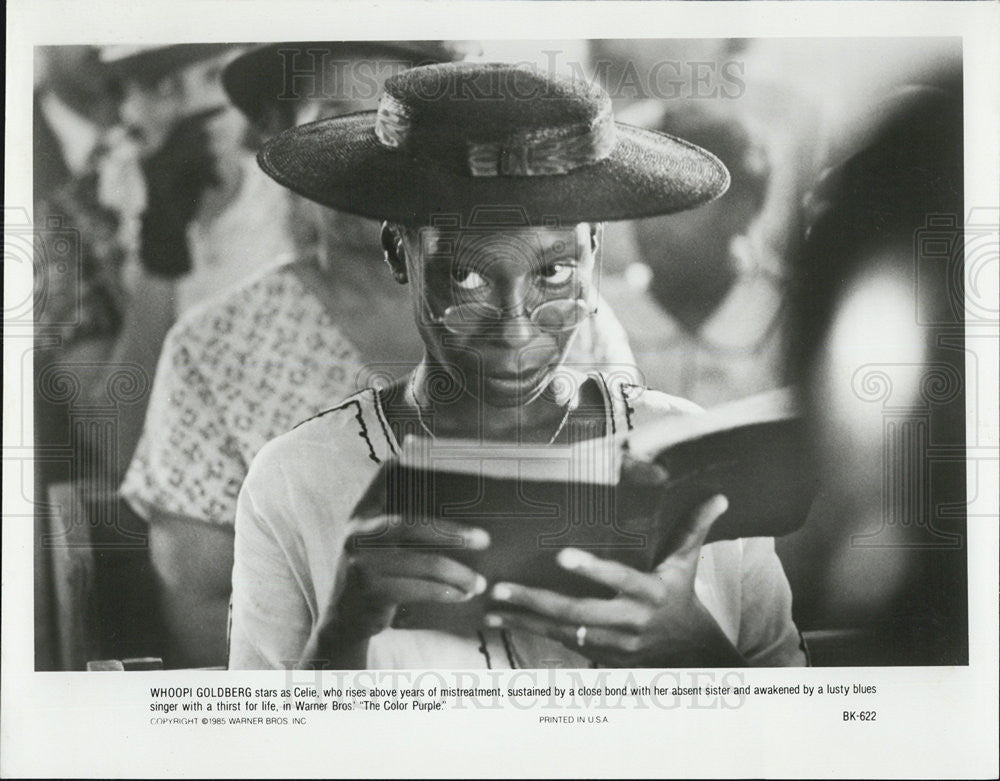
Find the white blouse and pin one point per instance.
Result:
(292, 522)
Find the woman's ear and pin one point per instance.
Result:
(395, 254)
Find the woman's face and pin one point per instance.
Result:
(474, 292)
(152, 108)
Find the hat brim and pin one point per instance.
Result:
(341, 164)
(255, 80)
(154, 62)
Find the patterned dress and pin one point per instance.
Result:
(234, 372)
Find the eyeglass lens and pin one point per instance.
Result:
(551, 316)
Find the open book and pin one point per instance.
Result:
(598, 495)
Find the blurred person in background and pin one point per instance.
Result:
(712, 317)
(144, 165)
(78, 299)
(195, 216)
(75, 102)
(708, 286)
(702, 296)
(249, 365)
(882, 564)
(75, 105)
(878, 347)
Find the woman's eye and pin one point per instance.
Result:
(467, 280)
(556, 274)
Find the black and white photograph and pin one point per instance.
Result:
(572, 356)
(285, 245)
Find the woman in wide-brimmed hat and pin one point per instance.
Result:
(281, 346)
(492, 181)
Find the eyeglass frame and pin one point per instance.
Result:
(589, 303)
(473, 324)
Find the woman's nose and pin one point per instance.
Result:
(515, 326)
(512, 294)
(515, 330)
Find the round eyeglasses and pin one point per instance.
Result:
(555, 316)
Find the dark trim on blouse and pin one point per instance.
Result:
(508, 649)
(629, 409)
(390, 440)
(363, 433)
(609, 400)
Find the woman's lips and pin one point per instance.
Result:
(511, 375)
(521, 376)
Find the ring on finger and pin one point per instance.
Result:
(581, 636)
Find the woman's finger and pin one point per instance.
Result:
(435, 534)
(620, 577)
(622, 613)
(423, 566)
(399, 591)
(438, 530)
(604, 641)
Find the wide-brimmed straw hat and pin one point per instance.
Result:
(463, 138)
(267, 80)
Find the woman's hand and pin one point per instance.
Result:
(392, 562)
(656, 619)
(389, 562)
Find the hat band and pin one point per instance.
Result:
(538, 153)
